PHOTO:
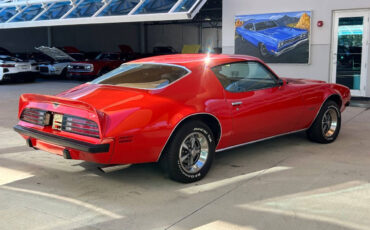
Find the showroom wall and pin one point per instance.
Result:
(107, 37)
(100, 37)
(24, 39)
(319, 66)
(104, 37)
(176, 35)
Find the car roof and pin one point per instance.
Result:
(192, 60)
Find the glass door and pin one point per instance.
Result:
(349, 50)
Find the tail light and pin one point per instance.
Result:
(80, 126)
(36, 116)
(7, 65)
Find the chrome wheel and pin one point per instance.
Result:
(194, 151)
(263, 50)
(329, 122)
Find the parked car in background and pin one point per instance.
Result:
(127, 53)
(270, 38)
(162, 50)
(15, 69)
(103, 63)
(178, 110)
(58, 61)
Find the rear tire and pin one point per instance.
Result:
(326, 126)
(190, 153)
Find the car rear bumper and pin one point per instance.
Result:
(62, 141)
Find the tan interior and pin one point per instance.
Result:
(144, 85)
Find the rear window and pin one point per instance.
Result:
(143, 75)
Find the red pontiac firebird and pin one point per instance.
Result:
(178, 110)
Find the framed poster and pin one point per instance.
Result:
(274, 37)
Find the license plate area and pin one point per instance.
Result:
(57, 121)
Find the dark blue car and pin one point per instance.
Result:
(270, 38)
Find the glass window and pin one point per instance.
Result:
(244, 76)
(86, 8)
(56, 11)
(28, 14)
(265, 25)
(349, 51)
(155, 6)
(185, 5)
(142, 76)
(119, 7)
(7, 13)
(249, 26)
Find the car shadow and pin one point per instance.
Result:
(143, 198)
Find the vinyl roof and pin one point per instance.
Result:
(36, 13)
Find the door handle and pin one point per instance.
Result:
(236, 103)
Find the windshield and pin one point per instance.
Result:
(265, 25)
(143, 75)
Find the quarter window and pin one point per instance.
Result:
(249, 26)
(244, 76)
(143, 75)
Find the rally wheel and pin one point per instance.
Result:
(189, 155)
(326, 126)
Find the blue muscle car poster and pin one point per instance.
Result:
(275, 37)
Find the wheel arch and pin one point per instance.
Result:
(332, 97)
(336, 98)
(210, 120)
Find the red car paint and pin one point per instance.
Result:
(138, 123)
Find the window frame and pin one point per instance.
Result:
(275, 78)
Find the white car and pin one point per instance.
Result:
(57, 67)
(12, 68)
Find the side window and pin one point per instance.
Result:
(244, 76)
(249, 26)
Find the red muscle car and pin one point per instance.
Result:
(179, 110)
(103, 63)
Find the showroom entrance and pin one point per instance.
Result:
(350, 50)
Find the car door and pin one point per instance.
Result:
(262, 105)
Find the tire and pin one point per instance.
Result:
(182, 157)
(63, 74)
(325, 129)
(263, 50)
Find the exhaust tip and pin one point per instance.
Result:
(66, 154)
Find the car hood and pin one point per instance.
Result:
(282, 32)
(55, 53)
(110, 99)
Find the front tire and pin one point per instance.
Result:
(263, 50)
(189, 155)
(326, 127)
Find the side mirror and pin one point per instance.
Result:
(280, 82)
